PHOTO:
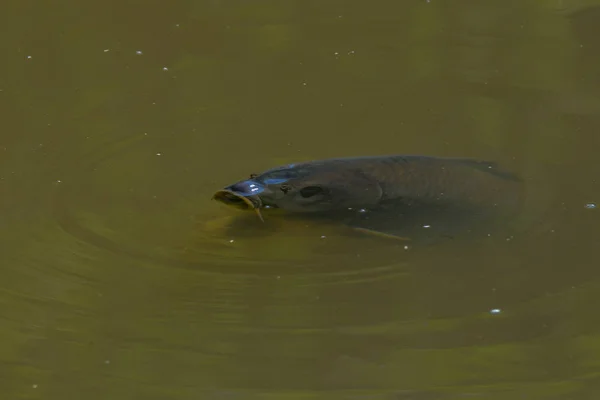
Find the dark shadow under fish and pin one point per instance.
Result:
(399, 196)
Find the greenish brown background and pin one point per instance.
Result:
(120, 119)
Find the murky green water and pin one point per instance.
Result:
(119, 278)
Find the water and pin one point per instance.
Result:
(119, 279)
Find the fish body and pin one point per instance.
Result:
(380, 188)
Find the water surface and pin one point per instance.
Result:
(119, 279)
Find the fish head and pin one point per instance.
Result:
(304, 188)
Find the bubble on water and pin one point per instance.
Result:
(591, 206)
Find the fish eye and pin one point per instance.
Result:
(285, 188)
(310, 191)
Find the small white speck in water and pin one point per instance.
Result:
(591, 206)
(406, 247)
(278, 277)
(303, 83)
(362, 210)
(34, 386)
(165, 68)
(231, 241)
(495, 311)
(323, 237)
(106, 50)
(58, 181)
(107, 362)
(426, 226)
(159, 154)
(138, 52)
(29, 57)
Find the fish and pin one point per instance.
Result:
(378, 194)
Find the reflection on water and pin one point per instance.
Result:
(120, 278)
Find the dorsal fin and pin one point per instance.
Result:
(490, 167)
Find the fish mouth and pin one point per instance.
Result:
(239, 201)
